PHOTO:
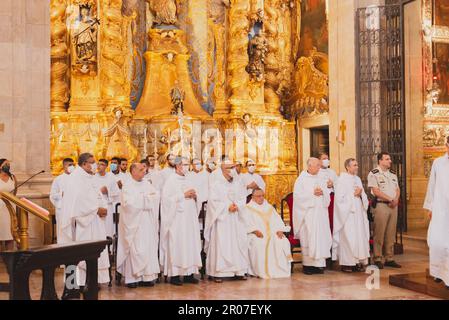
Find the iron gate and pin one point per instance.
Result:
(380, 92)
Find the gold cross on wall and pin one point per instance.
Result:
(343, 131)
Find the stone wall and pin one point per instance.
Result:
(25, 97)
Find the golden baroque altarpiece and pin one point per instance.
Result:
(131, 78)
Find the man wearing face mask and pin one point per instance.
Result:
(114, 167)
(167, 171)
(251, 179)
(226, 241)
(180, 244)
(110, 192)
(57, 193)
(331, 179)
(83, 205)
(328, 174)
(7, 183)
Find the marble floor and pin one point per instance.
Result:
(331, 285)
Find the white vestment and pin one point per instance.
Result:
(351, 225)
(164, 174)
(200, 182)
(270, 256)
(138, 240)
(226, 240)
(311, 219)
(247, 178)
(111, 198)
(180, 245)
(80, 205)
(58, 188)
(437, 201)
(329, 174)
(154, 176)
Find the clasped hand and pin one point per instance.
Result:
(190, 194)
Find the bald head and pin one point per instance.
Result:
(137, 171)
(313, 166)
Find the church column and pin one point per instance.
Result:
(342, 95)
(238, 55)
(115, 87)
(59, 56)
(414, 92)
(273, 16)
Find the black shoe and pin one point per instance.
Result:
(71, 294)
(176, 281)
(218, 280)
(307, 270)
(146, 283)
(437, 280)
(359, 268)
(379, 264)
(347, 269)
(240, 278)
(133, 285)
(318, 270)
(392, 264)
(191, 279)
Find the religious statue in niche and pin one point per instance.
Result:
(84, 41)
(163, 11)
(257, 51)
(177, 99)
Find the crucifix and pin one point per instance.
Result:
(342, 129)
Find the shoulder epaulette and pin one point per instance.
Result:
(375, 171)
(392, 171)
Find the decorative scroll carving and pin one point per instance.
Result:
(59, 56)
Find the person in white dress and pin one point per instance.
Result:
(7, 184)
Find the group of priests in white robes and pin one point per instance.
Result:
(349, 241)
(159, 230)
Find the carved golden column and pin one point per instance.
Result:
(272, 61)
(115, 87)
(238, 55)
(59, 56)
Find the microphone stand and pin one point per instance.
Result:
(17, 187)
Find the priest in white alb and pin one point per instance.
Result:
(110, 192)
(168, 170)
(269, 249)
(437, 203)
(351, 226)
(83, 206)
(226, 240)
(137, 250)
(200, 179)
(310, 218)
(180, 242)
(56, 194)
(251, 179)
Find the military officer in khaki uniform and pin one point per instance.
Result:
(383, 184)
